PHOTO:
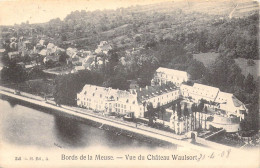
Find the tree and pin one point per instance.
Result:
(63, 57)
(249, 83)
(186, 115)
(67, 86)
(5, 59)
(144, 104)
(163, 111)
(196, 69)
(200, 109)
(185, 110)
(179, 111)
(206, 112)
(158, 110)
(173, 107)
(151, 114)
(14, 73)
(250, 62)
(194, 110)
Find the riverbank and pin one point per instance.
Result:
(125, 127)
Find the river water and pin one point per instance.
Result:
(24, 125)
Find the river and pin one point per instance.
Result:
(23, 125)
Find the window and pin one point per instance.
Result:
(100, 95)
(93, 94)
(125, 106)
(121, 105)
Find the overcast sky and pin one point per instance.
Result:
(38, 11)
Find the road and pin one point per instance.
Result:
(231, 13)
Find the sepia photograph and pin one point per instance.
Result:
(129, 83)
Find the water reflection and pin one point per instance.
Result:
(24, 124)
(69, 131)
(12, 102)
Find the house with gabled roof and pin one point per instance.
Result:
(224, 101)
(166, 75)
(103, 47)
(229, 103)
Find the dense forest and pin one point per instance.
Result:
(132, 27)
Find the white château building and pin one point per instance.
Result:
(124, 102)
(165, 75)
(222, 100)
(166, 87)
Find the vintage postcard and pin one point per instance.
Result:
(129, 83)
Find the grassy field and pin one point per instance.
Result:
(208, 58)
(253, 70)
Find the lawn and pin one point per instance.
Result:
(253, 70)
(206, 58)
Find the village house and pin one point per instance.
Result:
(2, 51)
(77, 69)
(103, 47)
(13, 39)
(87, 62)
(71, 52)
(165, 75)
(51, 52)
(13, 45)
(13, 55)
(125, 102)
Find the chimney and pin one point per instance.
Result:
(146, 87)
(140, 89)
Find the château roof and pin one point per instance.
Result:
(148, 92)
(172, 72)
